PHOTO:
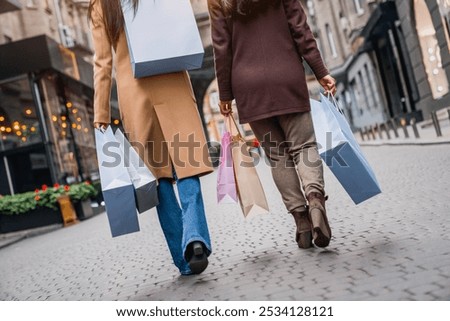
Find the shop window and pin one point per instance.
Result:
(431, 53)
(70, 119)
(444, 9)
(19, 122)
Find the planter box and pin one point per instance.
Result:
(83, 209)
(38, 217)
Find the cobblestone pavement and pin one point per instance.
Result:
(395, 246)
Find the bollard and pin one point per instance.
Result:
(448, 111)
(405, 130)
(394, 127)
(361, 133)
(414, 127)
(380, 132)
(437, 127)
(372, 132)
(386, 129)
(366, 131)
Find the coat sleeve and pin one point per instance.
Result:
(103, 61)
(304, 38)
(223, 57)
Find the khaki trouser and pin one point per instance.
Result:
(290, 145)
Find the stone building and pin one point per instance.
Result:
(46, 92)
(391, 58)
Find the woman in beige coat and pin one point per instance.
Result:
(160, 117)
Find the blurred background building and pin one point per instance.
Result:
(391, 60)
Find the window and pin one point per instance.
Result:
(358, 7)
(19, 122)
(31, 4)
(431, 53)
(331, 41)
(444, 9)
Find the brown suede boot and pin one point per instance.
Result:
(318, 217)
(303, 234)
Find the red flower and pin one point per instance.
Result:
(87, 183)
(37, 198)
(56, 186)
(66, 188)
(36, 190)
(44, 187)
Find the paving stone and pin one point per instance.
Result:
(395, 246)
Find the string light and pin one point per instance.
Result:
(69, 104)
(2, 118)
(8, 129)
(28, 112)
(33, 129)
(54, 118)
(116, 122)
(63, 118)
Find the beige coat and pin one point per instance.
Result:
(159, 113)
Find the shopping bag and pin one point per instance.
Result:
(162, 37)
(341, 152)
(248, 185)
(226, 183)
(145, 184)
(117, 189)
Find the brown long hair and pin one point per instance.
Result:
(112, 17)
(246, 8)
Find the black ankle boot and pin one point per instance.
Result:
(196, 257)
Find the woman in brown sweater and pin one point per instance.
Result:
(259, 48)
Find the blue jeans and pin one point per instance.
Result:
(185, 224)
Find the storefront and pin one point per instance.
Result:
(384, 42)
(46, 116)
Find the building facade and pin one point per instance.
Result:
(46, 92)
(391, 58)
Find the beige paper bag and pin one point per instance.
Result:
(250, 191)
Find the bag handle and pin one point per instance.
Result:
(230, 119)
(335, 102)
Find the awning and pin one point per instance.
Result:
(380, 20)
(9, 5)
(41, 53)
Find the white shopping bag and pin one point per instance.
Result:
(162, 37)
(117, 189)
(145, 184)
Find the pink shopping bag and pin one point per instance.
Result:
(226, 184)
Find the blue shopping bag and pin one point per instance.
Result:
(341, 152)
(117, 189)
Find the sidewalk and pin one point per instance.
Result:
(14, 237)
(426, 130)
